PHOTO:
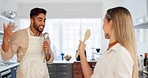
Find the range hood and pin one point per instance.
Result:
(142, 25)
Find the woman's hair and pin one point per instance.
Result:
(124, 32)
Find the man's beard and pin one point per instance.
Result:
(37, 28)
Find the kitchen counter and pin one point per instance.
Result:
(63, 61)
(71, 61)
(143, 75)
(8, 66)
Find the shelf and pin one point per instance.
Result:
(5, 20)
(142, 25)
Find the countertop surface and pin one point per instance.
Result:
(4, 67)
(71, 61)
(13, 64)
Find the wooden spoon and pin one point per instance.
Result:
(86, 36)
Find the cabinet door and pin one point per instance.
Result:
(64, 67)
(64, 71)
(78, 74)
(52, 67)
(76, 66)
(52, 74)
(13, 71)
(6, 74)
(67, 74)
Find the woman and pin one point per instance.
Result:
(120, 59)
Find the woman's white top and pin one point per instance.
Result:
(114, 63)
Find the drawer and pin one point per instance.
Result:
(64, 67)
(77, 74)
(52, 67)
(52, 74)
(64, 75)
(76, 66)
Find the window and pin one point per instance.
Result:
(66, 33)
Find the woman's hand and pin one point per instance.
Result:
(81, 47)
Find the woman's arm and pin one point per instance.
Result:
(87, 71)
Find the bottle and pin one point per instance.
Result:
(141, 63)
(145, 59)
(93, 53)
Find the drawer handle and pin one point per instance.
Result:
(50, 73)
(77, 73)
(63, 73)
(63, 65)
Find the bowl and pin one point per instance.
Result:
(67, 57)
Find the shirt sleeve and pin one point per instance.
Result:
(13, 44)
(123, 66)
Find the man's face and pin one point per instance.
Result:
(39, 22)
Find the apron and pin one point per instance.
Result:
(33, 64)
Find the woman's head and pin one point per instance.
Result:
(117, 21)
(118, 26)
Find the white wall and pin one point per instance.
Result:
(138, 11)
(1, 6)
(137, 8)
(57, 8)
(106, 5)
(64, 9)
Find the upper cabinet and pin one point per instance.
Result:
(5, 20)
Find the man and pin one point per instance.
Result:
(29, 45)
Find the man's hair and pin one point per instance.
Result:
(36, 11)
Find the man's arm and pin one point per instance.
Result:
(48, 52)
(7, 36)
(6, 53)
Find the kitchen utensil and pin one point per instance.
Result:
(86, 36)
(46, 36)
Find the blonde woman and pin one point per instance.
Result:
(120, 59)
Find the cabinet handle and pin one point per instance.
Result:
(50, 73)
(64, 73)
(63, 65)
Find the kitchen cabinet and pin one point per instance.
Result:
(60, 70)
(143, 75)
(142, 25)
(9, 70)
(6, 74)
(13, 71)
(77, 70)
